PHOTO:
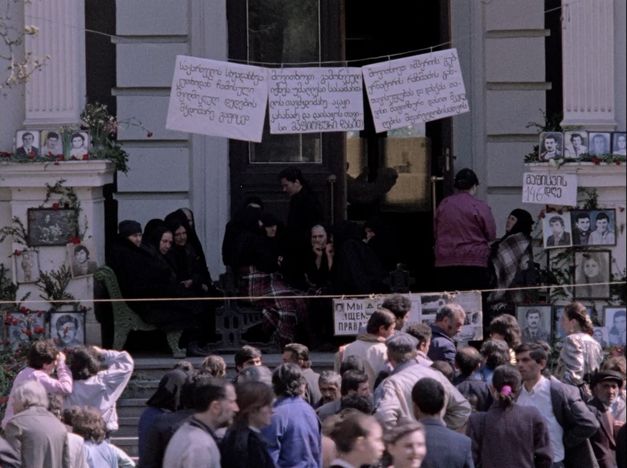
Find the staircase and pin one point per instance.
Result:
(149, 370)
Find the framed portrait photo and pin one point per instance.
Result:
(619, 146)
(592, 274)
(556, 230)
(535, 322)
(615, 322)
(78, 149)
(600, 335)
(602, 227)
(27, 144)
(599, 144)
(80, 259)
(575, 144)
(51, 145)
(26, 266)
(50, 226)
(551, 146)
(67, 328)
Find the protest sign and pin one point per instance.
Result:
(549, 189)
(307, 100)
(352, 314)
(218, 98)
(415, 89)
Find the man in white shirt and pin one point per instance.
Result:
(602, 235)
(569, 421)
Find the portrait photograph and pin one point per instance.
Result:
(535, 322)
(51, 144)
(80, 259)
(50, 226)
(556, 229)
(581, 227)
(551, 146)
(67, 329)
(599, 144)
(79, 146)
(592, 274)
(602, 227)
(27, 144)
(575, 144)
(619, 146)
(600, 336)
(615, 325)
(27, 266)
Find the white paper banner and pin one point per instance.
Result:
(308, 100)
(550, 189)
(410, 90)
(217, 98)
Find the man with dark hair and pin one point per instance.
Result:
(294, 437)
(445, 448)
(194, 444)
(400, 306)
(568, 420)
(354, 382)
(605, 386)
(370, 346)
(28, 148)
(468, 360)
(393, 396)
(534, 331)
(495, 353)
(581, 229)
(602, 235)
(558, 234)
(298, 354)
(448, 321)
(550, 148)
(422, 333)
(247, 356)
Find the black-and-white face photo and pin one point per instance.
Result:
(619, 144)
(556, 230)
(67, 329)
(535, 322)
(615, 323)
(551, 146)
(27, 144)
(575, 144)
(599, 144)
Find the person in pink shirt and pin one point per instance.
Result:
(43, 358)
(464, 228)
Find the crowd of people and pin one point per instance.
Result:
(394, 398)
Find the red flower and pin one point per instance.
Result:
(596, 161)
(149, 134)
(617, 162)
(39, 330)
(23, 310)
(60, 157)
(85, 156)
(4, 154)
(74, 240)
(17, 253)
(55, 206)
(27, 331)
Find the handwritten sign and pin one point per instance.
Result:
(307, 100)
(352, 314)
(218, 98)
(415, 89)
(549, 189)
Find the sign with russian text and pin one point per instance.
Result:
(308, 100)
(411, 90)
(549, 189)
(217, 98)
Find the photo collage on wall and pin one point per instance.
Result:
(581, 145)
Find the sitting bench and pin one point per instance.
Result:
(126, 320)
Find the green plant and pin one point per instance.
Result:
(53, 284)
(8, 289)
(16, 230)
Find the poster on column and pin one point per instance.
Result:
(549, 189)
(308, 100)
(217, 98)
(411, 90)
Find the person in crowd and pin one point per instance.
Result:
(358, 441)
(33, 432)
(88, 423)
(444, 368)
(580, 355)
(9, 458)
(330, 384)
(621, 446)
(422, 333)
(559, 236)
(616, 335)
(469, 383)
(533, 330)
(350, 363)
(445, 447)
(606, 386)
(602, 235)
(405, 445)
(233, 228)
(400, 306)
(505, 327)
(247, 356)
(258, 269)
(242, 446)
(382, 241)
(214, 365)
(576, 148)
(370, 346)
(363, 404)
(495, 353)
(354, 382)
(591, 276)
(617, 364)
(448, 321)
(298, 354)
(97, 387)
(581, 229)
(76, 444)
(43, 359)
(395, 391)
(194, 443)
(294, 436)
(167, 398)
(357, 270)
(255, 374)
(464, 228)
(187, 217)
(569, 421)
(509, 434)
(511, 257)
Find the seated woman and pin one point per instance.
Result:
(257, 268)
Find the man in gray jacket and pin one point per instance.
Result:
(393, 396)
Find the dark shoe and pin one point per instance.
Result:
(193, 349)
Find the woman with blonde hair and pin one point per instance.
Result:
(581, 355)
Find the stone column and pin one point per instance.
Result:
(55, 95)
(588, 64)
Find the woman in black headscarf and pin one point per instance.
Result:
(512, 256)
